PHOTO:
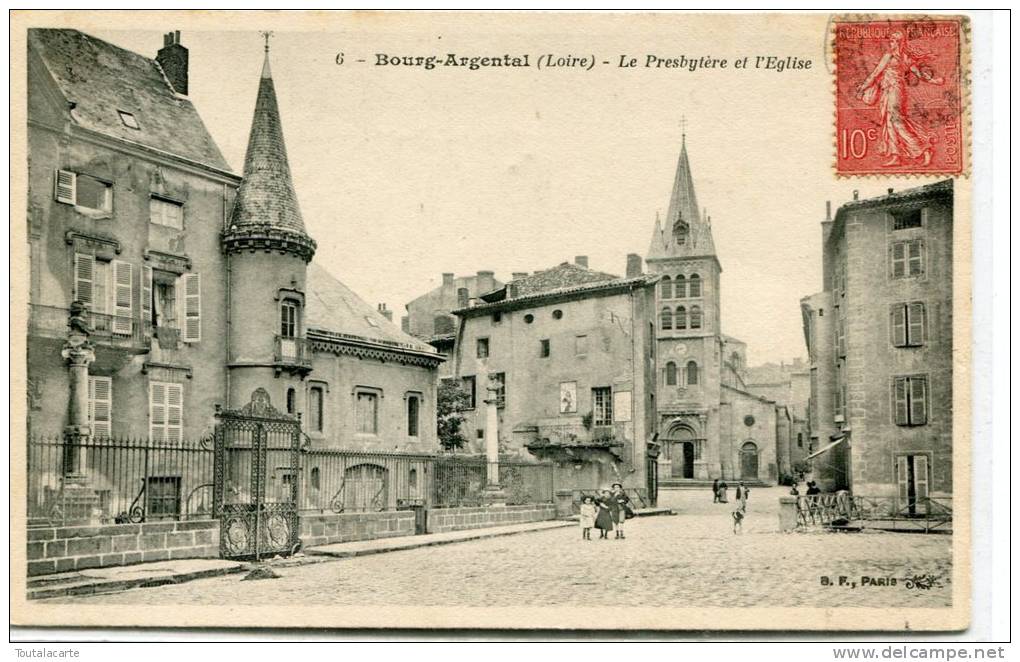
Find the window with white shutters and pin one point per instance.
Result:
(166, 411)
(100, 412)
(84, 275)
(64, 187)
(123, 297)
(192, 299)
(147, 295)
(910, 400)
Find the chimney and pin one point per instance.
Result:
(856, 193)
(462, 297)
(485, 282)
(405, 324)
(634, 265)
(173, 58)
(447, 279)
(517, 275)
(385, 312)
(581, 261)
(889, 191)
(828, 210)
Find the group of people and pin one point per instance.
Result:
(609, 511)
(719, 495)
(812, 489)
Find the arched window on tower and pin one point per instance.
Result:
(666, 288)
(692, 373)
(695, 317)
(670, 374)
(681, 287)
(695, 285)
(666, 319)
(681, 318)
(681, 231)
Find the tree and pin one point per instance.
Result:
(452, 401)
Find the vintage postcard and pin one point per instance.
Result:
(512, 321)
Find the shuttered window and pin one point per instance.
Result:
(166, 411)
(666, 319)
(909, 324)
(100, 413)
(192, 305)
(907, 258)
(367, 413)
(123, 297)
(147, 295)
(84, 275)
(695, 317)
(64, 187)
(910, 400)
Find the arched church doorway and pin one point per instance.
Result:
(749, 460)
(681, 442)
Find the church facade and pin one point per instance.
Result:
(708, 423)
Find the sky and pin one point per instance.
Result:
(404, 173)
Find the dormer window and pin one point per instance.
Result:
(128, 120)
(681, 231)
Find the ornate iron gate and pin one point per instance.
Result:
(256, 473)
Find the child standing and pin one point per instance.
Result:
(588, 512)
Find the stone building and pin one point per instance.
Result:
(197, 286)
(789, 386)
(880, 343)
(571, 351)
(684, 379)
(707, 421)
(430, 316)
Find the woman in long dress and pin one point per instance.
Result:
(604, 519)
(901, 137)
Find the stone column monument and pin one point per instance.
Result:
(493, 493)
(78, 503)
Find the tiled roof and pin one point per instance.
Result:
(266, 195)
(333, 307)
(99, 79)
(944, 187)
(565, 275)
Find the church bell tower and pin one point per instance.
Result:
(688, 336)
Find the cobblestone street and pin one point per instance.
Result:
(690, 560)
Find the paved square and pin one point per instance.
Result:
(689, 560)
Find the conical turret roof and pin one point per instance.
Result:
(686, 232)
(266, 195)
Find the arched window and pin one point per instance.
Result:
(681, 287)
(681, 318)
(695, 317)
(291, 406)
(692, 373)
(670, 374)
(681, 230)
(667, 319)
(695, 285)
(666, 288)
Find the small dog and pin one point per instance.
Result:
(738, 520)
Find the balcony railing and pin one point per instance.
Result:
(574, 434)
(112, 330)
(293, 352)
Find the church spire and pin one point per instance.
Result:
(266, 201)
(686, 232)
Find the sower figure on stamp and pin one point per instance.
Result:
(887, 83)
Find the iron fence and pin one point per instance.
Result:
(844, 509)
(461, 481)
(134, 480)
(138, 480)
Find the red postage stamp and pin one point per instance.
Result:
(900, 104)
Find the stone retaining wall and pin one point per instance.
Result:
(326, 529)
(66, 548)
(441, 520)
